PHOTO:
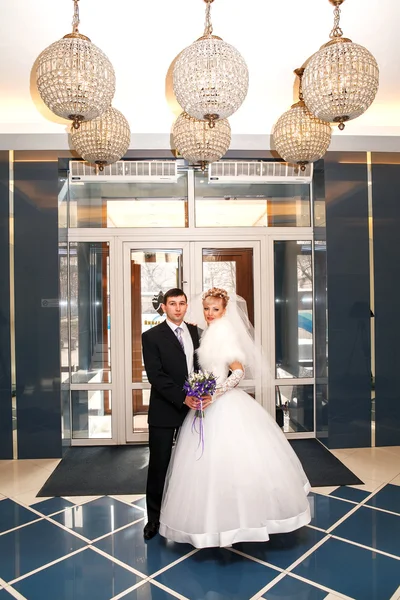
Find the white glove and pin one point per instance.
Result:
(230, 382)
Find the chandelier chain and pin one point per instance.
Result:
(300, 87)
(75, 20)
(336, 31)
(208, 28)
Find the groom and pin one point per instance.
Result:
(169, 355)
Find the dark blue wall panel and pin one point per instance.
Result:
(386, 211)
(6, 447)
(349, 340)
(36, 307)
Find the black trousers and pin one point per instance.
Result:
(161, 440)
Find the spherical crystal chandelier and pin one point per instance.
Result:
(74, 77)
(210, 77)
(104, 140)
(199, 143)
(299, 136)
(340, 80)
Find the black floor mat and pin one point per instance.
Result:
(321, 466)
(112, 470)
(99, 471)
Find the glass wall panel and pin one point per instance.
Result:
(63, 203)
(140, 407)
(63, 264)
(119, 204)
(321, 334)
(318, 191)
(90, 323)
(91, 414)
(293, 279)
(64, 321)
(251, 205)
(298, 403)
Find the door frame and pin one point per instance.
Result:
(125, 335)
(259, 316)
(192, 283)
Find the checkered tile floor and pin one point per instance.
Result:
(93, 548)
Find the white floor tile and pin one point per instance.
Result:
(129, 498)
(21, 476)
(373, 464)
(369, 485)
(396, 480)
(342, 452)
(326, 490)
(392, 449)
(80, 499)
(47, 463)
(28, 498)
(332, 596)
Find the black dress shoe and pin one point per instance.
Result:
(150, 530)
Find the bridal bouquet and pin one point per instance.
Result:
(199, 384)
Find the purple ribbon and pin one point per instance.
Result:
(200, 432)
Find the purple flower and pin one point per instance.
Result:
(198, 384)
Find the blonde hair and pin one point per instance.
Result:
(215, 292)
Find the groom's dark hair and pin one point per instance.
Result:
(173, 293)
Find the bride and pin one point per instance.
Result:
(248, 483)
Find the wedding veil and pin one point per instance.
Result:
(256, 366)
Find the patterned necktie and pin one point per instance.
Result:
(178, 333)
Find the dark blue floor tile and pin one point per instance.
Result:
(33, 546)
(53, 505)
(283, 549)
(218, 574)
(141, 503)
(326, 511)
(13, 515)
(4, 595)
(349, 493)
(289, 587)
(82, 576)
(373, 528)
(351, 570)
(387, 498)
(129, 546)
(148, 592)
(99, 517)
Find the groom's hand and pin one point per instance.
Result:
(192, 402)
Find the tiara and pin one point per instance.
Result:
(215, 292)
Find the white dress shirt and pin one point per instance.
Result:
(187, 342)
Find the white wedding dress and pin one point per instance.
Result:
(248, 483)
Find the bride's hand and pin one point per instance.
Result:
(206, 401)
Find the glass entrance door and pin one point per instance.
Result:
(234, 266)
(149, 271)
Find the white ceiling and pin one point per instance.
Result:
(142, 38)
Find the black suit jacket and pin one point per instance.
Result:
(166, 368)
